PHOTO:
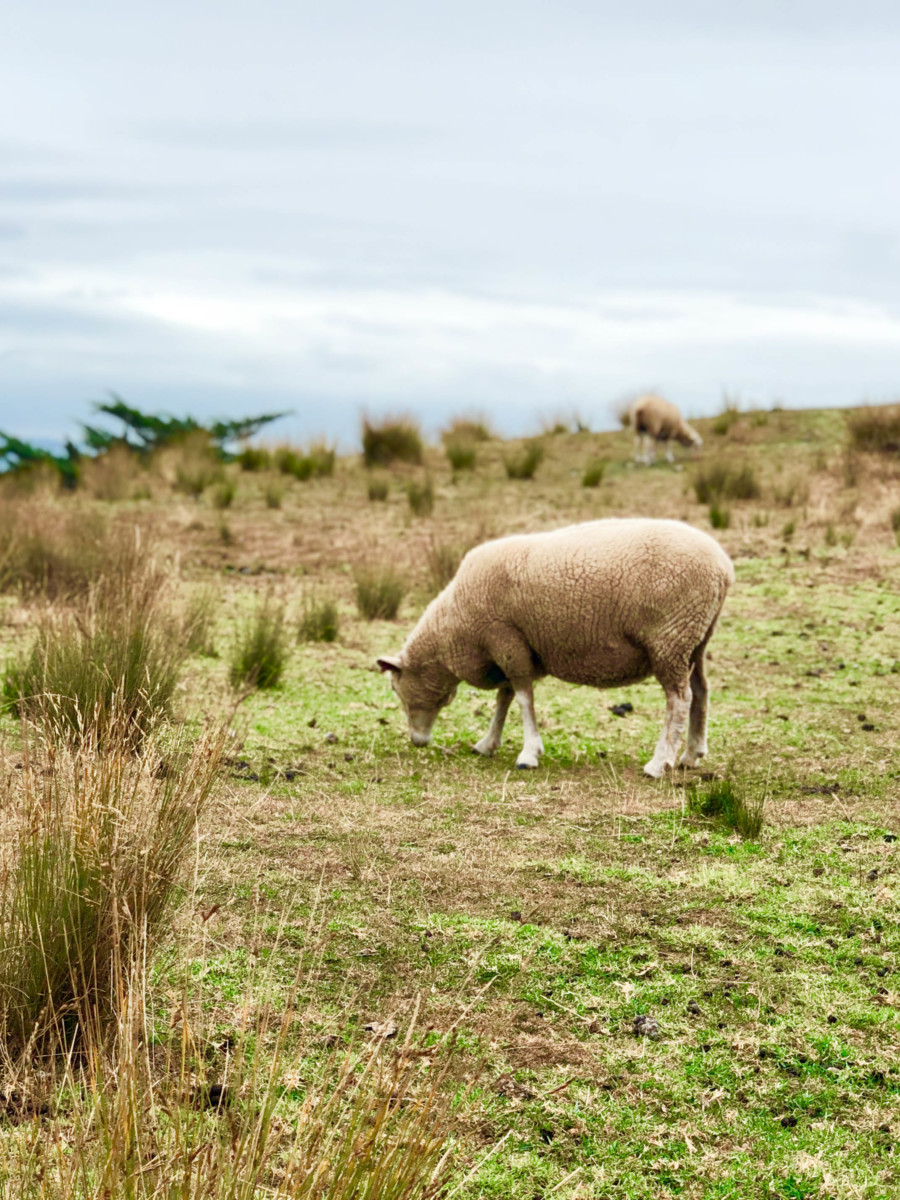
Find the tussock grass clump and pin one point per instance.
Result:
(254, 458)
(273, 493)
(313, 463)
(720, 480)
(222, 493)
(193, 478)
(461, 455)
(719, 518)
(378, 489)
(791, 490)
(261, 651)
(319, 621)
(95, 838)
(875, 429)
(593, 473)
(111, 476)
(395, 439)
(110, 664)
(554, 426)
(195, 462)
(522, 464)
(727, 802)
(56, 550)
(467, 429)
(379, 592)
(420, 497)
(730, 413)
(442, 561)
(198, 620)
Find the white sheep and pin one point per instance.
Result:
(604, 603)
(655, 420)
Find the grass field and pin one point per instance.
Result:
(345, 878)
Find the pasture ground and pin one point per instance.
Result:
(541, 912)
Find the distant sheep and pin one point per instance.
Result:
(604, 603)
(655, 420)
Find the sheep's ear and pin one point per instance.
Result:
(391, 664)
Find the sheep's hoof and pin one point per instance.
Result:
(485, 750)
(524, 764)
(655, 770)
(693, 758)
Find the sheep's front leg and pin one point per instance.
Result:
(491, 740)
(678, 703)
(534, 743)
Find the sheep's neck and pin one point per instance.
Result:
(433, 637)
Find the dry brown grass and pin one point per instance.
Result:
(56, 549)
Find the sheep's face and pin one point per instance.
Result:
(422, 691)
(691, 438)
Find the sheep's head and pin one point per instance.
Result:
(423, 692)
(690, 437)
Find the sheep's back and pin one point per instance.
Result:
(598, 598)
(655, 416)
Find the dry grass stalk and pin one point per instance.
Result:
(94, 841)
(56, 549)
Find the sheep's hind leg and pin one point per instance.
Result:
(696, 741)
(678, 702)
(491, 740)
(534, 743)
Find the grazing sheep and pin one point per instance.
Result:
(656, 420)
(604, 603)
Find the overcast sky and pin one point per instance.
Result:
(516, 208)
